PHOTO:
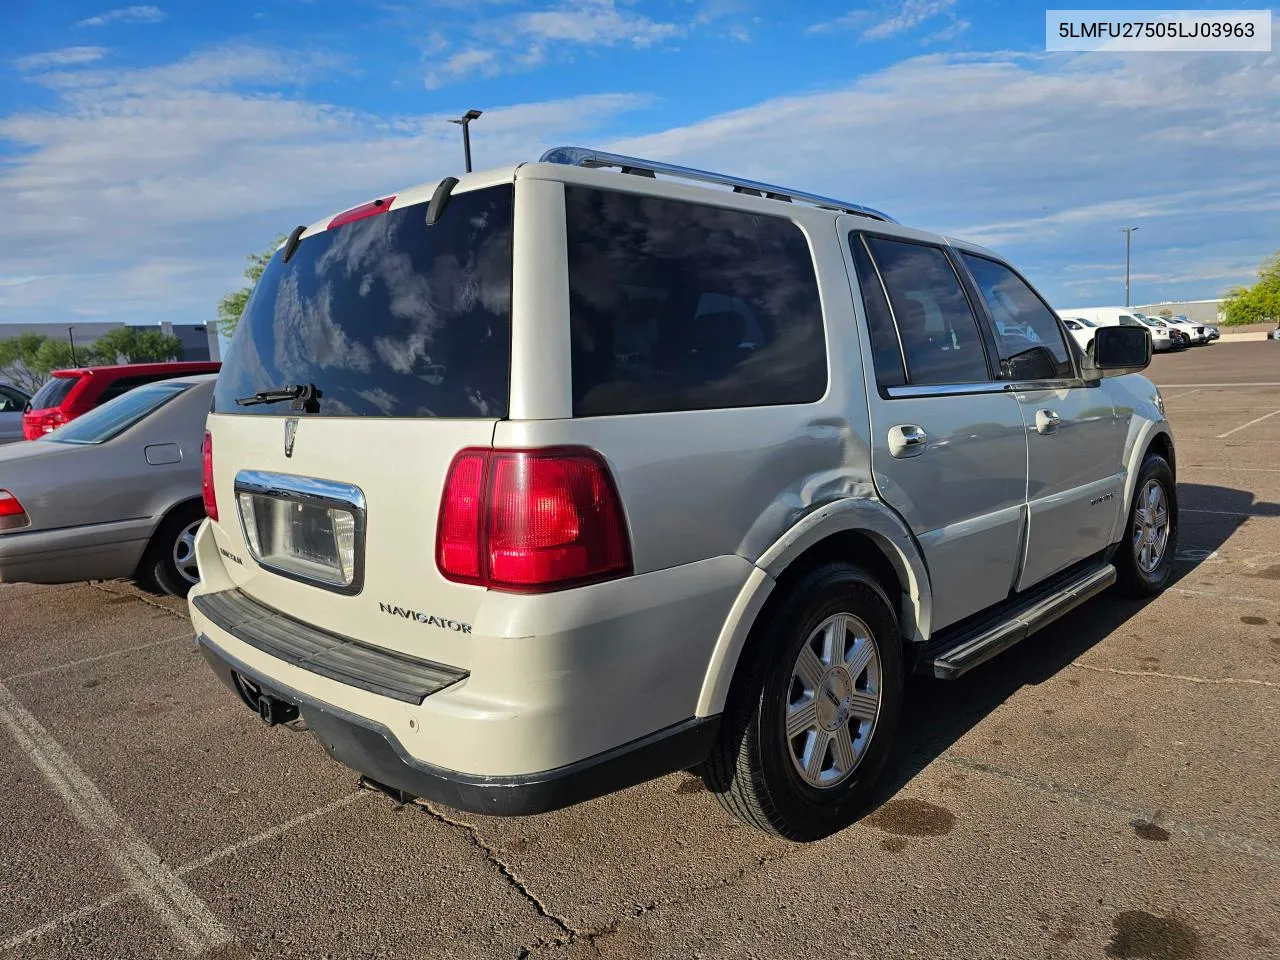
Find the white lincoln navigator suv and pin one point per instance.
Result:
(533, 484)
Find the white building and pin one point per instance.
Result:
(1197, 311)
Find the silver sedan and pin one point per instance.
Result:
(114, 493)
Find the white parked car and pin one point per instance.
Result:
(1161, 339)
(601, 476)
(1163, 336)
(1198, 332)
(1081, 331)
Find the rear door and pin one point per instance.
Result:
(1074, 440)
(400, 334)
(948, 450)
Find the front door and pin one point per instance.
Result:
(1074, 440)
(948, 451)
(11, 406)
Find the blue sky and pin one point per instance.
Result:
(145, 149)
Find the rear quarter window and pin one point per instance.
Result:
(683, 306)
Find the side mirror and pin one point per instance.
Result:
(1034, 363)
(1117, 351)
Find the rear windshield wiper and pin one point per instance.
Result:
(305, 397)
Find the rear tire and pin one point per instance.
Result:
(814, 710)
(1144, 560)
(169, 564)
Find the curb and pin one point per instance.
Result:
(1242, 337)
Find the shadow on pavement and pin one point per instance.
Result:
(937, 713)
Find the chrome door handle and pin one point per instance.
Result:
(907, 440)
(1047, 421)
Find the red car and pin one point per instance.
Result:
(71, 393)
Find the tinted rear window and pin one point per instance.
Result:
(54, 391)
(386, 316)
(680, 306)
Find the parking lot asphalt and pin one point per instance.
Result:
(1109, 788)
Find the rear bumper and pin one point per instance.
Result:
(373, 750)
(542, 684)
(100, 551)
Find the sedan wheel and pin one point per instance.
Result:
(184, 553)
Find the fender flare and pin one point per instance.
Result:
(869, 517)
(1141, 444)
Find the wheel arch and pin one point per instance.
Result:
(162, 519)
(1155, 437)
(864, 531)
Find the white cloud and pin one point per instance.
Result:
(137, 14)
(469, 62)
(905, 16)
(908, 16)
(138, 197)
(1043, 156)
(955, 29)
(141, 194)
(591, 23)
(66, 57)
(520, 41)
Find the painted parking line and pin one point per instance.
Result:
(1265, 416)
(188, 918)
(102, 656)
(1226, 596)
(35, 933)
(1227, 513)
(1176, 386)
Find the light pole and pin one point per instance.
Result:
(72, 337)
(465, 122)
(1128, 236)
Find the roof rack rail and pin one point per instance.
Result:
(586, 157)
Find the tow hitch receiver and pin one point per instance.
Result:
(400, 797)
(271, 710)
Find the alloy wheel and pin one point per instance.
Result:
(1150, 527)
(833, 700)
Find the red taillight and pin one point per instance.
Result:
(531, 520)
(36, 423)
(372, 208)
(458, 530)
(206, 479)
(11, 513)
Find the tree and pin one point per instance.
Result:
(231, 306)
(137, 345)
(27, 359)
(1166, 313)
(1259, 303)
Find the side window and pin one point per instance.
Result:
(886, 351)
(1128, 321)
(682, 306)
(7, 403)
(1022, 321)
(939, 334)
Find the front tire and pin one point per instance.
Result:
(814, 712)
(1144, 560)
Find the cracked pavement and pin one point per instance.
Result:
(1107, 789)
